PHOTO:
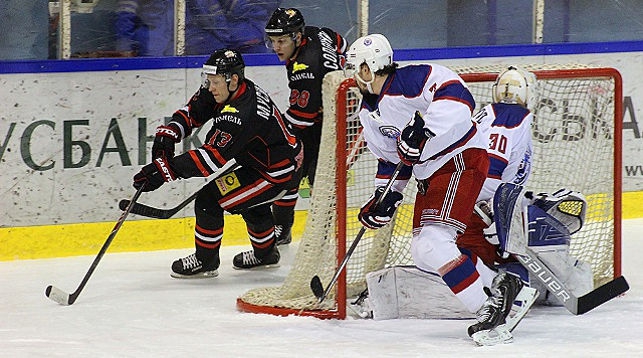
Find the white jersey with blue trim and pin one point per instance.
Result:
(445, 103)
(508, 129)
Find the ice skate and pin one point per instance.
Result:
(191, 267)
(283, 235)
(492, 327)
(247, 260)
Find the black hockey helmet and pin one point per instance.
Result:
(225, 62)
(285, 21)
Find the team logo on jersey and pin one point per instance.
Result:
(523, 169)
(229, 109)
(390, 131)
(296, 67)
(227, 183)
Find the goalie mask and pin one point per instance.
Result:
(373, 50)
(513, 86)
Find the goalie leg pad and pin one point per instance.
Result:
(509, 203)
(552, 218)
(407, 292)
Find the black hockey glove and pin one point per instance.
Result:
(154, 175)
(164, 141)
(375, 217)
(412, 140)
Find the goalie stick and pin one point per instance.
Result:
(61, 297)
(575, 305)
(158, 213)
(315, 283)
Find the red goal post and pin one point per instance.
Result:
(577, 144)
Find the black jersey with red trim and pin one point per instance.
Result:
(321, 51)
(248, 127)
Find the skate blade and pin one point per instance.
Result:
(492, 337)
(256, 268)
(200, 275)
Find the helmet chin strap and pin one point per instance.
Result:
(230, 91)
(367, 84)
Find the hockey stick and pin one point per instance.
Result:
(157, 213)
(66, 299)
(575, 305)
(315, 283)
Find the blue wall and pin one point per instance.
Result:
(135, 63)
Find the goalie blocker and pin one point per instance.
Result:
(537, 230)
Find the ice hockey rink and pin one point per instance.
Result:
(132, 308)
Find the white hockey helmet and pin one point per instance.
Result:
(513, 86)
(374, 50)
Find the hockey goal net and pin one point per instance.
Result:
(576, 135)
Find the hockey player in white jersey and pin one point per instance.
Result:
(421, 115)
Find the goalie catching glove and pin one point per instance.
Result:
(412, 140)
(374, 215)
(153, 175)
(165, 140)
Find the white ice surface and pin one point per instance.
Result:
(132, 308)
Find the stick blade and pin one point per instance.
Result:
(317, 287)
(123, 204)
(148, 211)
(57, 295)
(602, 294)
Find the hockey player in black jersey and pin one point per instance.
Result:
(248, 129)
(309, 53)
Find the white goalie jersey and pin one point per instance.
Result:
(508, 128)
